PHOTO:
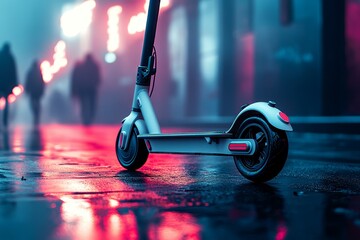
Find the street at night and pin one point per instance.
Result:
(276, 83)
(65, 182)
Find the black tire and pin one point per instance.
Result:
(136, 154)
(271, 153)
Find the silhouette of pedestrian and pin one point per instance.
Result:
(75, 80)
(85, 80)
(34, 87)
(8, 77)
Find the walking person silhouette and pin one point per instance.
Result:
(85, 80)
(8, 77)
(34, 87)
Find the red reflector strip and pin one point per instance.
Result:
(148, 145)
(238, 147)
(121, 139)
(284, 117)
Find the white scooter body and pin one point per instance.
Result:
(257, 138)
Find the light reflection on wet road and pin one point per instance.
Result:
(64, 182)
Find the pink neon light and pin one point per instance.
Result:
(60, 61)
(18, 90)
(281, 232)
(137, 23)
(11, 98)
(113, 42)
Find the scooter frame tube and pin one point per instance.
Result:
(148, 112)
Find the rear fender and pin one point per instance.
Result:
(268, 111)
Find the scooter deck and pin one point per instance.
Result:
(186, 135)
(213, 143)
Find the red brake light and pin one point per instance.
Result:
(284, 117)
(238, 147)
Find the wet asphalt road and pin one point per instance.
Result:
(64, 182)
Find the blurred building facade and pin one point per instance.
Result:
(214, 56)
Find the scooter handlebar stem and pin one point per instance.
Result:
(150, 31)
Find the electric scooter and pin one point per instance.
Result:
(257, 138)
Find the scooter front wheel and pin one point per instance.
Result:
(136, 154)
(271, 150)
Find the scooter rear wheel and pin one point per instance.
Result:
(271, 150)
(135, 156)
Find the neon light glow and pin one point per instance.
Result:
(11, 98)
(113, 42)
(2, 103)
(281, 232)
(114, 203)
(18, 90)
(77, 19)
(59, 61)
(137, 23)
(176, 225)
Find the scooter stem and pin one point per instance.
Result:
(150, 31)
